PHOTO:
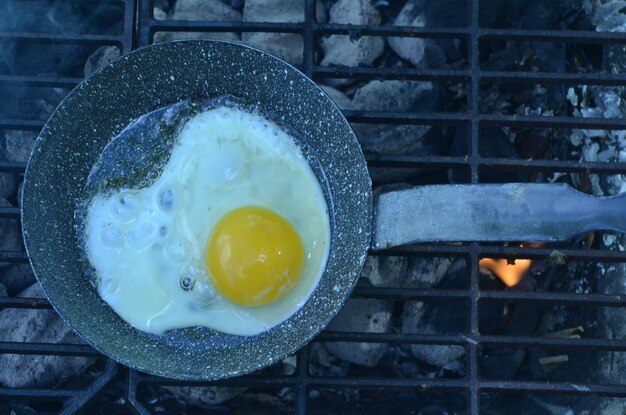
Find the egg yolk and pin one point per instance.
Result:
(254, 256)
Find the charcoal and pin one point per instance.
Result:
(385, 271)
(17, 277)
(614, 319)
(426, 272)
(361, 315)
(203, 396)
(209, 10)
(159, 14)
(8, 184)
(615, 406)
(11, 239)
(19, 144)
(100, 58)
(492, 143)
(355, 51)
(401, 96)
(411, 49)
(287, 46)
(324, 363)
(340, 99)
(37, 326)
(500, 363)
(414, 320)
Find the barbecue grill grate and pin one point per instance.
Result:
(138, 29)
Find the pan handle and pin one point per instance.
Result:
(492, 212)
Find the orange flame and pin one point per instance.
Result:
(510, 274)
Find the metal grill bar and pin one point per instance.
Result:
(25, 124)
(607, 79)
(461, 340)
(12, 166)
(18, 302)
(485, 119)
(390, 73)
(542, 387)
(61, 38)
(13, 256)
(434, 162)
(57, 394)
(9, 212)
(48, 81)
(48, 349)
(549, 297)
(277, 381)
(491, 251)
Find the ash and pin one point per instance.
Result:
(335, 359)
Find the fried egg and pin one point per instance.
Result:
(233, 235)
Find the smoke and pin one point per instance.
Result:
(40, 57)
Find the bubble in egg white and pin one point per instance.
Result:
(141, 236)
(111, 236)
(203, 293)
(127, 208)
(223, 169)
(178, 251)
(166, 199)
(109, 286)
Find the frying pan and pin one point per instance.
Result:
(153, 77)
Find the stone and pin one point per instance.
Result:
(385, 271)
(361, 315)
(341, 49)
(19, 144)
(37, 326)
(323, 363)
(200, 10)
(17, 277)
(100, 58)
(411, 49)
(10, 235)
(413, 320)
(203, 396)
(426, 272)
(340, 99)
(3, 291)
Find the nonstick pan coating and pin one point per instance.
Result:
(150, 78)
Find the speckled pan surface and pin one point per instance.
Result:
(150, 78)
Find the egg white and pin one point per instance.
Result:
(142, 241)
